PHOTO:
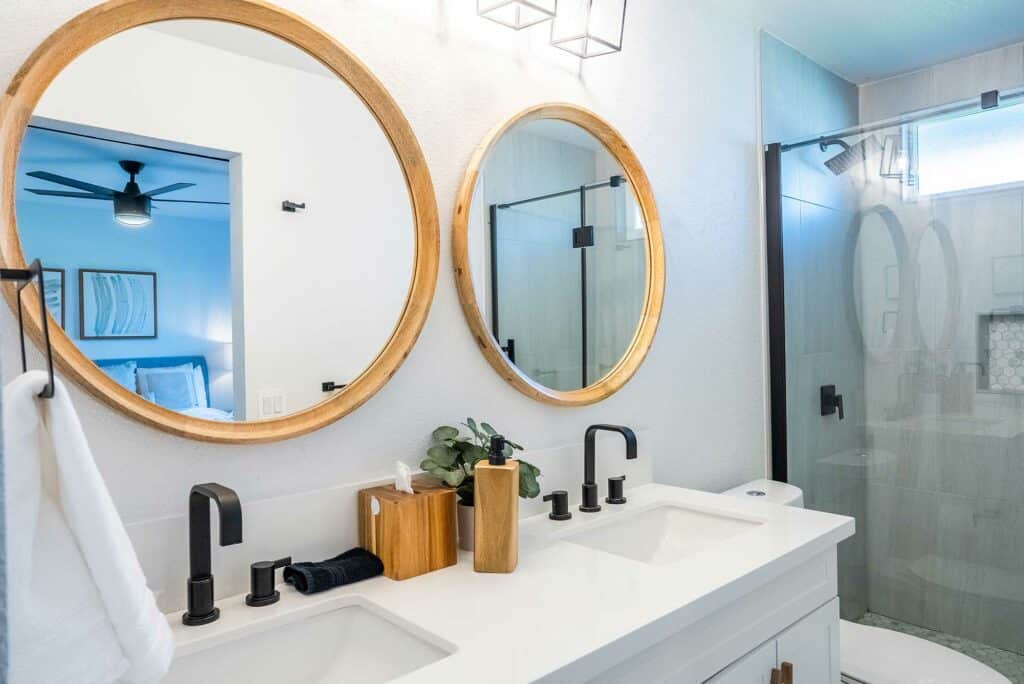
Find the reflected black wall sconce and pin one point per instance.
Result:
(291, 207)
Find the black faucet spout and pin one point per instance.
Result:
(200, 582)
(590, 504)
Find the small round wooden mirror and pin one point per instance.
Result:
(558, 255)
(237, 224)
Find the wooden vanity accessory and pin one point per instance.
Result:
(411, 533)
(496, 518)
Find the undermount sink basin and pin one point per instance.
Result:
(663, 534)
(348, 644)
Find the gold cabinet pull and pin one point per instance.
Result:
(787, 673)
(776, 676)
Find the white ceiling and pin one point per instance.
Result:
(868, 40)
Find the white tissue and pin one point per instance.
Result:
(403, 478)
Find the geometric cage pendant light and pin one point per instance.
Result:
(589, 28)
(517, 14)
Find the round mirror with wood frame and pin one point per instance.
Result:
(584, 131)
(115, 17)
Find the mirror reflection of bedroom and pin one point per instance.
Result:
(142, 285)
(193, 238)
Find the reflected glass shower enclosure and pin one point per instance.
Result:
(895, 257)
(565, 274)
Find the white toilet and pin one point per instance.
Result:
(872, 655)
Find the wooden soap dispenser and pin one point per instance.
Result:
(496, 515)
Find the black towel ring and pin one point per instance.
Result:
(25, 277)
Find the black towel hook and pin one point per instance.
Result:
(25, 277)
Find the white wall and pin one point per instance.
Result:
(1001, 69)
(300, 136)
(683, 92)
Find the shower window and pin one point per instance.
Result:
(971, 152)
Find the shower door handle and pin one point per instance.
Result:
(831, 402)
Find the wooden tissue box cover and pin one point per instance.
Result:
(413, 533)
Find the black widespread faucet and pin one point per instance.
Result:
(200, 581)
(590, 504)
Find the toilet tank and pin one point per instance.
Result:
(769, 490)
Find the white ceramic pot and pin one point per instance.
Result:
(465, 514)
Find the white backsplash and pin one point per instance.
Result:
(314, 525)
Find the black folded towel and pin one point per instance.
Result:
(352, 566)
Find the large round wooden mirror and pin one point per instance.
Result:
(558, 255)
(237, 225)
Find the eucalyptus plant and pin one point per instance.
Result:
(453, 458)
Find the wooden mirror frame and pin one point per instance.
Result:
(115, 16)
(654, 286)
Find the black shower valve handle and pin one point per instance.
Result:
(831, 401)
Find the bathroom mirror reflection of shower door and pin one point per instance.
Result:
(564, 271)
(902, 272)
(559, 245)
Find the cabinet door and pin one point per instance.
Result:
(812, 646)
(753, 668)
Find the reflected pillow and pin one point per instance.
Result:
(172, 387)
(199, 381)
(123, 374)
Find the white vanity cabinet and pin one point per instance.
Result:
(792, 618)
(811, 646)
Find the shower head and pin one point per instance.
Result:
(851, 154)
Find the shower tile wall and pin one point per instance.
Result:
(800, 98)
(1001, 69)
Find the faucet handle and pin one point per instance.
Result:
(261, 582)
(559, 504)
(615, 490)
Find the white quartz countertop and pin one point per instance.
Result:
(565, 602)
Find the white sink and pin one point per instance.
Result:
(352, 643)
(663, 534)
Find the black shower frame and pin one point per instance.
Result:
(775, 275)
(612, 182)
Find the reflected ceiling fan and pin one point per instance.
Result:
(131, 206)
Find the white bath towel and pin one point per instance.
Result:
(79, 609)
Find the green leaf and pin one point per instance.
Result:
(438, 472)
(453, 478)
(514, 445)
(445, 433)
(528, 485)
(427, 464)
(442, 455)
(473, 454)
(488, 429)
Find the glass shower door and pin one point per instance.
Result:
(903, 269)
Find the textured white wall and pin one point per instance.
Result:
(684, 94)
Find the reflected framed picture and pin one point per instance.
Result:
(53, 293)
(116, 305)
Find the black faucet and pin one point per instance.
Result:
(590, 504)
(200, 581)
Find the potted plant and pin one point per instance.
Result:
(452, 458)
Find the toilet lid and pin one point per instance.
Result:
(881, 656)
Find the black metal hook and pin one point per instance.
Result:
(25, 277)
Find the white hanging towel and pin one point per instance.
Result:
(79, 610)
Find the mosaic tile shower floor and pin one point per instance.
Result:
(1011, 665)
